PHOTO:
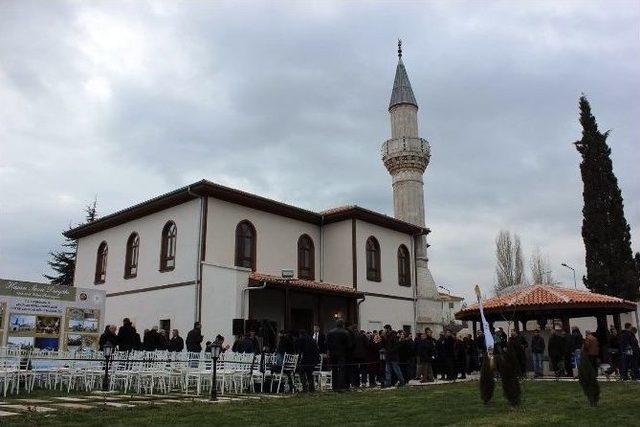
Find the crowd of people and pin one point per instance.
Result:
(388, 357)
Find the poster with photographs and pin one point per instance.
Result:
(48, 316)
(82, 328)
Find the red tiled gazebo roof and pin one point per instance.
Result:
(326, 288)
(547, 300)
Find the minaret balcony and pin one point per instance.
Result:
(406, 153)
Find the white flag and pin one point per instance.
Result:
(488, 338)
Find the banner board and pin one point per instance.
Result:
(51, 317)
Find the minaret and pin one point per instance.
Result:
(406, 157)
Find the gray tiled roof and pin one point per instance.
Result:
(402, 92)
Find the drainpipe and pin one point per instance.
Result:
(197, 310)
(246, 290)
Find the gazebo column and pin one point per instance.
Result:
(565, 324)
(474, 328)
(524, 325)
(516, 324)
(617, 322)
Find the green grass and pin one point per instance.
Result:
(544, 404)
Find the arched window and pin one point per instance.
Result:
(101, 263)
(131, 256)
(168, 248)
(246, 245)
(404, 266)
(373, 259)
(306, 261)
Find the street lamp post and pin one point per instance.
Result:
(107, 350)
(215, 353)
(575, 284)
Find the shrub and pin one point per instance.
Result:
(487, 379)
(589, 381)
(509, 372)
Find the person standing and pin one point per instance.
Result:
(460, 357)
(176, 343)
(448, 355)
(590, 349)
(576, 344)
(337, 348)
(108, 336)
(567, 353)
(392, 357)
(309, 353)
(556, 353)
(629, 353)
(425, 349)
(537, 353)
(320, 339)
(126, 336)
(439, 362)
(613, 352)
(194, 339)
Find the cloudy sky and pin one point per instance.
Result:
(128, 100)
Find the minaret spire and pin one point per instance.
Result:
(402, 92)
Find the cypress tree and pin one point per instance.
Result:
(610, 265)
(63, 262)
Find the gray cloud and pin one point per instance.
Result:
(127, 100)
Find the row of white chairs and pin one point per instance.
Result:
(147, 372)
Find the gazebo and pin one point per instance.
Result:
(543, 302)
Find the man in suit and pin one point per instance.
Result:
(320, 339)
(307, 348)
(338, 344)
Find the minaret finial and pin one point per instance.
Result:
(399, 48)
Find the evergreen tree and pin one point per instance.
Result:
(610, 265)
(63, 262)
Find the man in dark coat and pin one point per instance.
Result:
(126, 336)
(556, 352)
(448, 356)
(309, 353)
(108, 336)
(425, 350)
(629, 354)
(177, 343)
(392, 357)
(320, 339)
(568, 353)
(194, 339)
(338, 344)
(515, 348)
(358, 357)
(440, 363)
(537, 353)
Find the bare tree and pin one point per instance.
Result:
(509, 263)
(540, 269)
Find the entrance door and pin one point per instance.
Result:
(302, 318)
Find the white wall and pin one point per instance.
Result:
(389, 241)
(145, 309)
(221, 299)
(149, 228)
(386, 311)
(338, 264)
(277, 237)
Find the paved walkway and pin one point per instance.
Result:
(10, 407)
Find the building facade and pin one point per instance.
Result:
(210, 253)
